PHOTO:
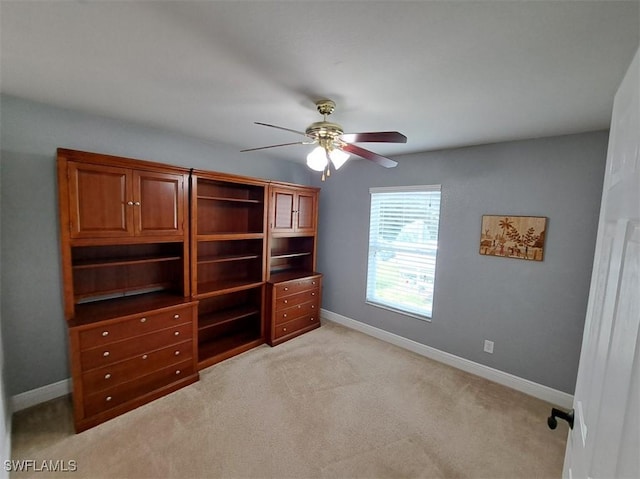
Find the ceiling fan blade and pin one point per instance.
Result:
(275, 146)
(369, 155)
(282, 128)
(375, 136)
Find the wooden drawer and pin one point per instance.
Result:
(108, 398)
(143, 324)
(288, 301)
(295, 286)
(295, 325)
(118, 351)
(109, 376)
(305, 309)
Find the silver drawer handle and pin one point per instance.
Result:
(105, 333)
(107, 376)
(105, 354)
(143, 320)
(108, 398)
(176, 316)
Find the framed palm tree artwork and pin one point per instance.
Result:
(520, 237)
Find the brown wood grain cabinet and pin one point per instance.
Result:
(293, 209)
(294, 287)
(167, 271)
(125, 262)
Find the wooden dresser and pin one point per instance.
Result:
(294, 306)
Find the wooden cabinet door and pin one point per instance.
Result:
(99, 201)
(158, 203)
(305, 212)
(282, 210)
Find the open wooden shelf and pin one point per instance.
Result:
(290, 255)
(234, 200)
(109, 262)
(223, 286)
(227, 258)
(225, 316)
(212, 352)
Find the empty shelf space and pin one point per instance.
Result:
(222, 198)
(229, 236)
(225, 316)
(106, 263)
(213, 288)
(290, 255)
(227, 258)
(214, 351)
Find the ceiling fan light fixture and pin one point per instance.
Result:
(338, 158)
(317, 159)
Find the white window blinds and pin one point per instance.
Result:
(403, 245)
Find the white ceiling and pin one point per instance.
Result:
(446, 74)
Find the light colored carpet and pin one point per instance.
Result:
(330, 404)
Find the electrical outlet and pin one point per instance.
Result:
(488, 346)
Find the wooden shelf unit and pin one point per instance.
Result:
(125, 263)
(228, 244)
(292, 263)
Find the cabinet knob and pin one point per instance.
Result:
(286, 289)
(286, 301)
(137, 203)
(144, 356)
(312, 319)
(107, 376)
(313, 306)
(313, 294)
(105, 333)
(177, 353)
(108, 398)
(284, 315)
(177, 333)
(130, 203)
(143, 320)
(313, 283)
(176, 316)
(284, 329)
(105, 354)
(178, 371)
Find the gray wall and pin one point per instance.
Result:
(34, 329)
(533, 311)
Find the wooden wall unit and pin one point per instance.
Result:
(294, 288)
(168, 271)
(228, 244)
(125, 263)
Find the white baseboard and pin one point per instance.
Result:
(36, 396)
(539, 391)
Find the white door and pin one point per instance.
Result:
(605, 440)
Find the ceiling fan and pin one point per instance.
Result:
(335, 146)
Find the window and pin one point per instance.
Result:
(403, 242)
